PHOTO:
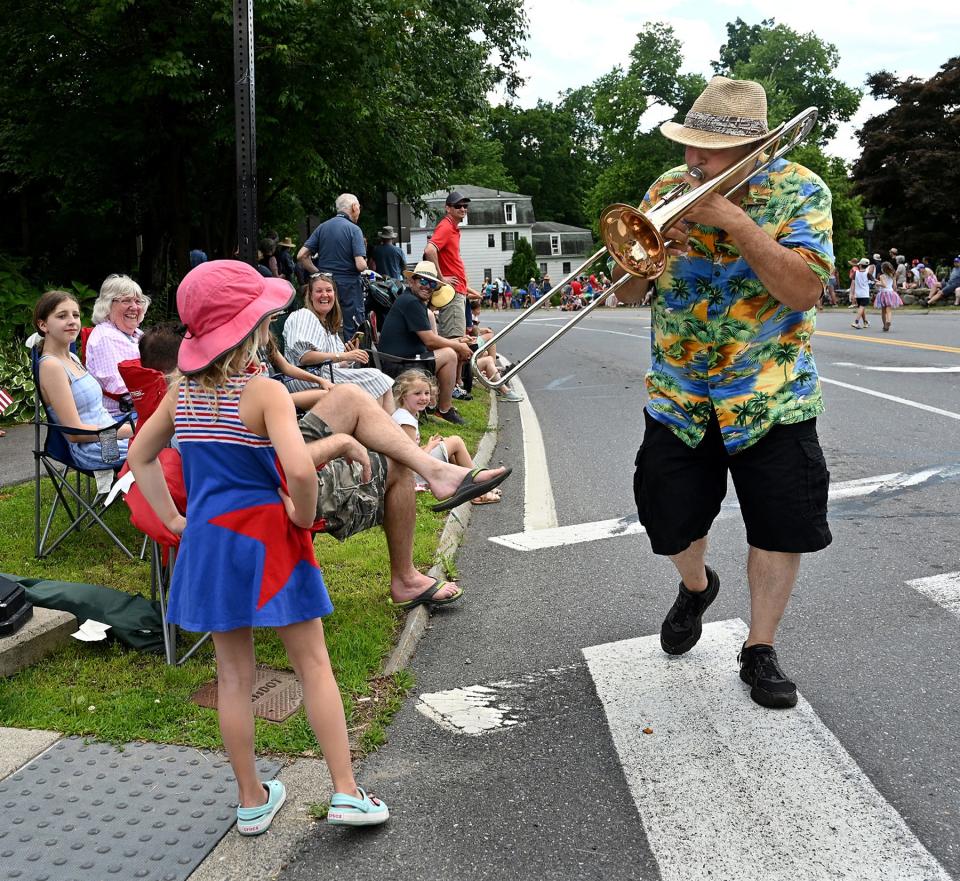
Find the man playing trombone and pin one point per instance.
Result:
(732, 384)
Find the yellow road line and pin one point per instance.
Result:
(930, 347)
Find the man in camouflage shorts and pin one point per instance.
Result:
(365, 464)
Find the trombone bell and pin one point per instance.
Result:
(632, 241)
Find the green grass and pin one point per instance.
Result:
(109, 692)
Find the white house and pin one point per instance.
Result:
(495, 221)
(560, 248)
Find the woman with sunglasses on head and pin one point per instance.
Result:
(311, 338)
(407, 333)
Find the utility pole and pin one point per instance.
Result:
(245, 115)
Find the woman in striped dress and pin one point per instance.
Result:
(311, 337)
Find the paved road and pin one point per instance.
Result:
(548, 737)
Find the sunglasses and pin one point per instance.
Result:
(463, 205)
(427, 283)
(326, 275)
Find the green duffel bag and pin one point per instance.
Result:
(133, 619)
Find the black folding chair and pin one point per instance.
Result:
(394, 365)
(74, 487)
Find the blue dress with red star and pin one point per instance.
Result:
(242, 562)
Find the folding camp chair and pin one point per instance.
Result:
(145, 386)
(164, 549)
(79, 498)
(394, 365)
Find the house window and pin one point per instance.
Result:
(543, 269)
(423, 220)
(554, 244)
(488, 275)
(508, 241)
(491, 240)
(509, 212)
(566, 267)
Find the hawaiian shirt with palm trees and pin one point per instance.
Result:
(719, 341)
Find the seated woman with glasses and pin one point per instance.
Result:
(311, 339)
(407, 333)
(73, 397)
(117, 316)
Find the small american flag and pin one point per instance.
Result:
(5, 399)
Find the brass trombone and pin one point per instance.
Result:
(635, 240)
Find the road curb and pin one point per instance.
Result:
(416, 624)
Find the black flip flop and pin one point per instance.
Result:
(470, 489)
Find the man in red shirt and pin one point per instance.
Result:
(443, 250)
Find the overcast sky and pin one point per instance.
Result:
(572, 42)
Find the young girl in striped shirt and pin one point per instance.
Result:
(246, 555)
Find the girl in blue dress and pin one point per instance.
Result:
(246, 555)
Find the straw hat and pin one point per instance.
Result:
(426, 269)
(728, 113)
(222, 302)
(286, 243)
(442, 296)
(387, 232)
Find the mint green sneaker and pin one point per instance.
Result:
(511, 396)
(346, 810)
(255, 821)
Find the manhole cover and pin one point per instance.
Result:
(276, 694)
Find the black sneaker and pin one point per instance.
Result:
(682, 627)
(451, 416)
(769, 686)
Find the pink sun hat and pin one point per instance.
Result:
(222, 302)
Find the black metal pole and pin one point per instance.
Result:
(244, 91)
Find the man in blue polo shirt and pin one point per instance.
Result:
(336, 246)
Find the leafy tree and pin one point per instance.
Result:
(628, 157)
(741, 38)
(795, 69)
(483, 165)
(542, 153)
(116, 117)
(907, 168)
(523, 265)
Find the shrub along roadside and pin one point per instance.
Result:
(106, 691)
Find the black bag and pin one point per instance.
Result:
(133, 619)
(15, 611)
(381, 295)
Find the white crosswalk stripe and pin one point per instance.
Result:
(728, 790)
(943, 589)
